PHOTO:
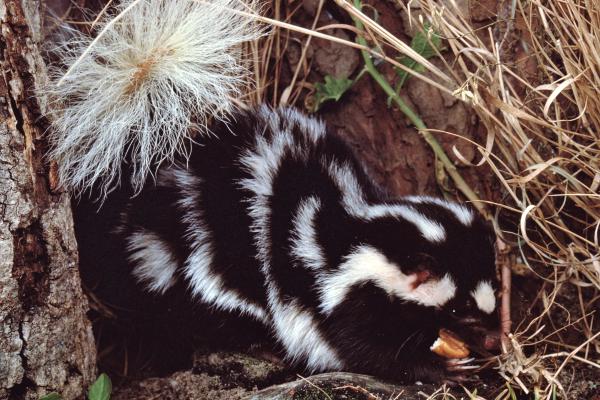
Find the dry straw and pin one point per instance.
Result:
(541, 108)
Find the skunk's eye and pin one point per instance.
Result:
(423, 275)
(421, 263)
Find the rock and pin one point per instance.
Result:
(337, 60)
(214, 376)
(233, 376)
(180, 385)
(341, 385)
(240, 370)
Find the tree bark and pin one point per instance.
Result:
(46, 341)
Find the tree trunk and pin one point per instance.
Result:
(46, 341)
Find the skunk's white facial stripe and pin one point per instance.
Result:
(304, 240)
(484, 297)
(463, 214)
(154, 263)
(368, 264)
(435, 293)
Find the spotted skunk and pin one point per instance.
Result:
(271, 217)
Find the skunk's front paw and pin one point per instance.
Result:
(459, 371)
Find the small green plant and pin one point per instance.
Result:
(332, 89)
(427, 44)
(51, 396)
(99, 390)
(511, 391)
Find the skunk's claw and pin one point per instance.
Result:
(459, 371)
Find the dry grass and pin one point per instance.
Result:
(533, 78)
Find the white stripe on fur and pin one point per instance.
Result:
(155, 265)
(367, 264)
(204, 282)
(304, 241)
(462, 213)
(298, 333)
(355, 203)
(430, 230)
(293, 327)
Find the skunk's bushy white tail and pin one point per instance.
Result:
(134, 92)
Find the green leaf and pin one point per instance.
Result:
(51, 396)
(101, 389)
(332, 89)
(427, 44)
(511, 391)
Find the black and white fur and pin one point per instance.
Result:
(274, 218)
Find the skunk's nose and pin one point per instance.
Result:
(491, 340)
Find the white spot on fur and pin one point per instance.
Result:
(368, 264)
(435, 293)
(462, 213)
(140, 81)
(204, 283)
(484, 297)
(304, 241)
(155, 265)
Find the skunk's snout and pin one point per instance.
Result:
(480, 332)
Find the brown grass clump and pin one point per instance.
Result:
(533, 78)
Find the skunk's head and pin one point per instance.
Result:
(430, 253)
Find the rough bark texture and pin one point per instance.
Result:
(235, 376)
(46, 342)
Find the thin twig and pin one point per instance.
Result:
(449, 166)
